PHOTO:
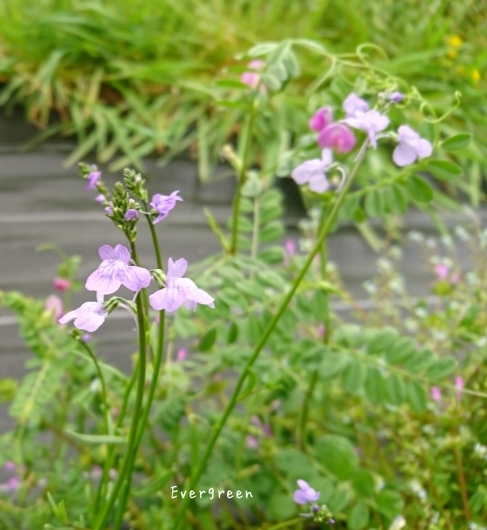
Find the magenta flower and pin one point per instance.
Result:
(252, 79)
(88, 317)
(131, 214)
(441, 270)
(321, 118)
(354, 104)
(313, 172)
(396, 97)
(55, 305)
(92, 179)
(12, 484)
(115, 271)
(61, 284)
(459, 385)
(163, 204)
(371, 122)
(179, 290)
(337, 136)
(436, 394)
(305, 493)
(410, 147)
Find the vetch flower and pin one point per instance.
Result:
(410, 147)
(163, 204)
(179, 290)
(92, 179)
(251, 442)
(88, 317)
(354, 104)
(61, 284)
(396, 97)
(182, 354)
(441, 270)
(305, 493)
(337, 136)
(115, 271)
(10, 466)
(313, 172)
(252, 79)
(371, 122)
(321, 118)
(459, 385)
(131, 214)
(436, 394)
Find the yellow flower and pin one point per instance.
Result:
(475, 76)
(455, 41)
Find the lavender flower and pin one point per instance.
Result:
(115, 271)
(354, 104)
(313, 172)
(100, 198)
(86, 337)
(131, 214)
(371, 122)
(396, 97)
(93, 178)
(441, 270)
(321, 118)
(337, 136)
(305, 493)
(163, 204)
(88, 317)
(410, 147)
(109, 208)
(179, 290)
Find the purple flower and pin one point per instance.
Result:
(86, 337)
(12, 484)
(410, 146)
(179, 290)
(252, 79)
(182, 354)
(109, 208)
(337, 136)
(305, 493)
(459, 385)
(163, 204)
(313, 172)
(436, 394)
(396, 97)
(100, 198)
(115, 271)
(321, 118)
(92, 179)
(10, 466)
(371, 122)
(131, 214)
(88, 317)
(353, 104)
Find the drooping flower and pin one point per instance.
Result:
(88, 317)
(371, 121)
(179, 290)
(321, 118)
(410, 147)
(55, 305)
(115, 271)
(436, 394)
(131, 214)
(92, 179)
(353, 104)
(459, 385)
(337, 136)
(396, 97)
(252, 79)
(313, 172)
(163, 204)
(305, 493)
(61, 284)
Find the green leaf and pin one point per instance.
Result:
(231, 83)
(441, 368)
(208, 340)
(271, 82)
(389, 503)
(272, 255)
(358, 518)
(337, 454)
(417, 396)
(270, 213)
(374, 203)
(280, 507)
(459, 141)
(419, 189)
(333, 364)
(396, 389)
(401, 350)
(252, 187)
(291, 63)
(419, 361)
(353, 376)
(396, 199)
(262, 48)
(374, 386)
(364, 483)
(96, 438)
(271, 232)
(444, 170)
(232, 333)
(349, 207)
(272, 279)
(380, 340)
(278, 70)
(252, 289)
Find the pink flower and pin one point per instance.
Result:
(182, 354)
(10, 466)
(321, 330)
(321, 118)
(55, 305)
(337, 136)
(61, 284)
(13, 484)
(252, 79)
(455, 278)
(252, 442)
(441, 270)
(436, 394)
(410, 147)
(459, 385)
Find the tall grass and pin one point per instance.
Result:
(133, 77)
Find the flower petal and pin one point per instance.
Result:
(107, 252)
(168, 298)
(304, 171)
(201, 297)
(423, 148)
(68, 317)
(319, 184)
(105, 280)
(122, 253)
(300, 497)
(176, 269)
(404, 154)
(136, 278)
(90, 316)
(353, 103)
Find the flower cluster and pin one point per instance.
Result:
(331, 135)
(307, 495)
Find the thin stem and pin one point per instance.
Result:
(218, 426)
(285, 524)
(247, 136)
(128, 460)
(462, 483)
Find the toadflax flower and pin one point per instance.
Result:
(92, 179)
(88, 317)
(396, 97)
(163, 204)
(313, 172)
(131, 214)
(179, 290)
(115, 271)
(321, 118)
(305, 493)
(410, 147)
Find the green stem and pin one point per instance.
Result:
(285, 524)
(218, 426)
(247, 136)
(128, 460)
